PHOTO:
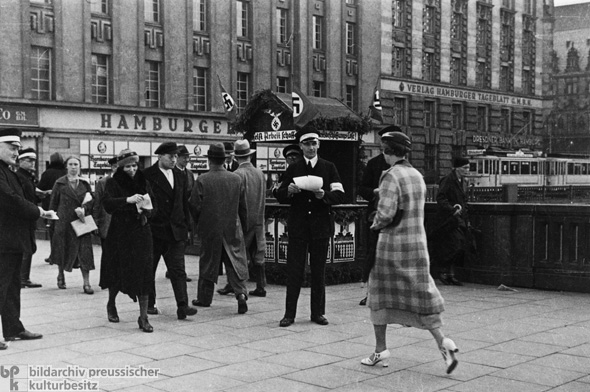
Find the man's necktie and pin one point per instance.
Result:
(309, 167)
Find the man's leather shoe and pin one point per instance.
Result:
(321, 320)
(187, 278)
(363, 302)
(286, 321)
(258, 293)
(3, 346)
(454, 281)
(24, 335)
(196, 302)
(184, 311)
(152, 310)
(30, 284)
(242, 304)
(226, 290)
(444, 279)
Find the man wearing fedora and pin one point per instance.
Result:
(218, 199)
(26, 173)
(170, 225)
(17, 237)
(230, 163)
(309, 224)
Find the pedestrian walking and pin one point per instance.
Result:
(401, 290)
(127, 259)
(309, 224)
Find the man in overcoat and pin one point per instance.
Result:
(219, 201)
(182, 167)
(170, 225)
(16, 238)
(255, 189)
(309, 224)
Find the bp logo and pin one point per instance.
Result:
(9, 380)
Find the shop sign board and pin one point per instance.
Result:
(18, 115)
(289, 135)
(507, 140)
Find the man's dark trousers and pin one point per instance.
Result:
(173, 253)
(10, 264)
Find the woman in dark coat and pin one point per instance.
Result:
(71, 200)
(126, 264)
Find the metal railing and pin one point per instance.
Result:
(525, 194)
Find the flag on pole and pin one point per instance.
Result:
(303, 110)
(228, 102)
(375, 109)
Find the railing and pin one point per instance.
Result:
(524, 194)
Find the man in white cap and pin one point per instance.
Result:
(309, 224)
(16, 238)
(26, 173)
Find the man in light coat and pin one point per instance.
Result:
(218, 199)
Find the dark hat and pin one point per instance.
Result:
(11, 136)
(308, 132)
(217, 150)
(167, 148)
(389, 128)
(292, 149)
(398, 138)
(112, 161)
(182, 150)
(126, 157)
(242, 148)
(228, 147)
(27, 153)
(460, 161)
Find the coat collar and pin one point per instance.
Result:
(159, 180)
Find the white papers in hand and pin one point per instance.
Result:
(145, 204)
(51, 215)
(309, 183)
(87, 198)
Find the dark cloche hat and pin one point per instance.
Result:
(292, 149)
(182, 150)
(389, 128)
(217, 150)
(127, 157)
(167, 148)
(398, 138)
(11, 136)
(460, 161)
(112, 161)
(27, 153)
(308, 132)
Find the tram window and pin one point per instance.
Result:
(570, 168)
(584, 168)
(479, 167)
(514, 167)
(495, 167)
(473, 167)
(504, 167)
(525, 168)
(534, 168)
(578, 169)
(486, 166)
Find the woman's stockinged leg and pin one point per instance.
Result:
(380, 337)
(438, 336)
(85, 276)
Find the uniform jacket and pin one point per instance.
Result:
(65, 246)
(219, 201)
(401, 278)
(370, 181)
(255, 189)
(101, 217)
(17, 215)
(170, 221)
(28, 181)
(310, 217)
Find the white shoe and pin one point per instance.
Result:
(448, 350)
(375, 358)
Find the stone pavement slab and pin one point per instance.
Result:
(524, 340)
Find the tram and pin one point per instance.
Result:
(526, 168)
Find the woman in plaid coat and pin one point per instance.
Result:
(401, 290)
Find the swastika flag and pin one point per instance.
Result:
(303, 110)
(228, 102)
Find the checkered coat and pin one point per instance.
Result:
(400, 278)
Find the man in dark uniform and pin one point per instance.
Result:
(170, 225)
(309, 224)
(26, 173)
(16, 238)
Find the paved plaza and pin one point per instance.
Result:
(525, 340)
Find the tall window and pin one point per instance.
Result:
(428, 66)
(243, 90)
(506, 120)
(199, 15)
(318, 32)
(528, 7)
(399, 13)
(100, 79)
(41, 73)
(243, 15)
(457, 25)
(480, 75)
(100, 7)
(200, 89)
(282, 25)
(429, 114)
(351, 97)
(526, 81)
(505, 78)
(456, 70)
(350, 38)
(527, 122)
(152, 11)
(152, 84)
(482, 118)
(399, 111)
(398, 61)
(429, 157)
(429, 19)
(319, 89)
(282, 85)
(457, 116)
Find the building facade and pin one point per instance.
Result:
(90, 78)
(568, 124)
(463, 75)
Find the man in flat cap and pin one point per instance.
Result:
(16, 237)
(309, 224)
(453, 220)
(170, 225)
(27, 159)
(219, 201)
(369, 190)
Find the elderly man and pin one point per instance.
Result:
(219, 201)
(170, 225)
(309, 224)
(17, 215)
